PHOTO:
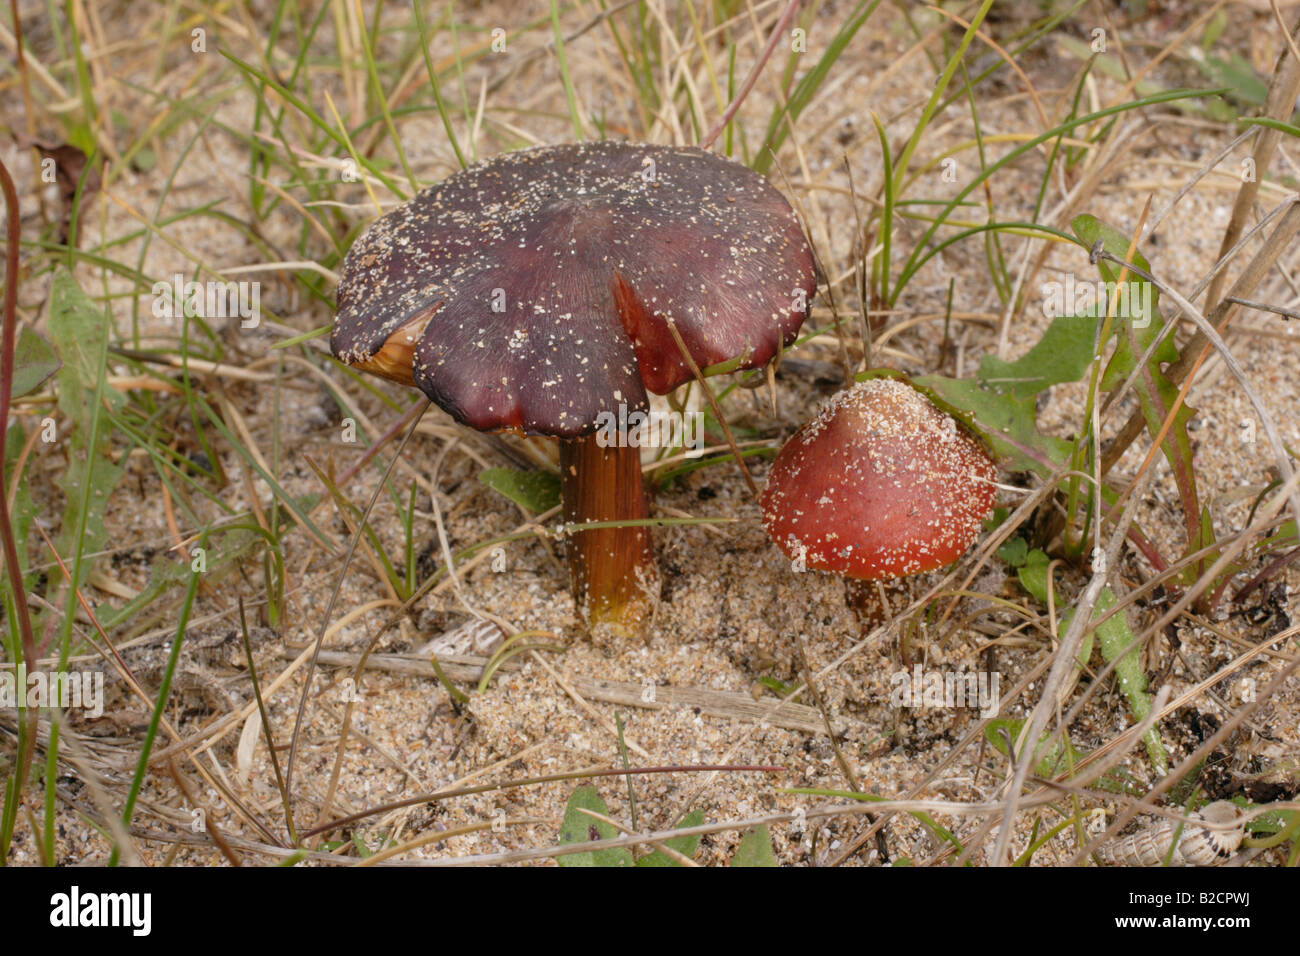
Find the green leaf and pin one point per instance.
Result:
(1234, 72)
(580, 828)
(755, 849)
(144, 159)
(1061, 355)
(1110, 66)
(1271, 124)
(780, 687)
(1145, 327)
(1054, 759)
(686, 845)
(1114, 635)
(79, 330)
(34, 362)
(1014, 552)
(997, 518)
(1269, 823)
(1205, 539)
(1155, 392)
(1213, 30)
(537, 491)
(1033, 575)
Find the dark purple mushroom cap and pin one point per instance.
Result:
(533, 291)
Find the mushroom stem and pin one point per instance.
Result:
(873, 601)
(611, 570)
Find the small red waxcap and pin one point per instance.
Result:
(881, 484)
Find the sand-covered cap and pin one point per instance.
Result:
(881, 484)
(533, 291)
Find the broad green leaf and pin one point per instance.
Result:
(1112, 67)
(1033, 574)
(1054, 759)
(686, 845)
(1146, 326)
(34, 362)
(79, 331)
(1270, 823)
(1014, 552)
(997, 518)
(537, 491)
(1114, 635)
(1234, 72)
(580, 828)
(755, 849)
(1061, 355)
(1213, 30)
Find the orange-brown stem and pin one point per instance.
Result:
(612, 570)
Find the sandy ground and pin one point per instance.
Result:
(733, 612)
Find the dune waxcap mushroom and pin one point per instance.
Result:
(535, 291)
(880, 484)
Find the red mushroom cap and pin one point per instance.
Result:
(533, 291)
(880, 484)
